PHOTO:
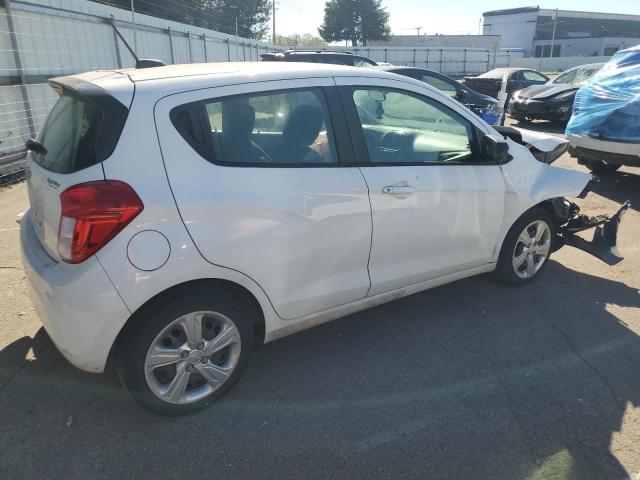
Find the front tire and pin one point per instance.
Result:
(186, 350)
(600, 167)
(526, 248)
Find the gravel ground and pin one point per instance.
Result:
(470, 380)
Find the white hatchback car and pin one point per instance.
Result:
(181, 215)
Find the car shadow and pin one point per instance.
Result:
(619, 186)
(469, 380)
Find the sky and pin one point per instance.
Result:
(456, 17)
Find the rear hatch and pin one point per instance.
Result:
(80, 132)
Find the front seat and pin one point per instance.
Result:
(300, 130)
(234, 143)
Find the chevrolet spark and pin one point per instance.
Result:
(181, 215)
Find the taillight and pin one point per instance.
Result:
(92, 214)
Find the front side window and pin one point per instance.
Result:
(403, 128)
(440, 85)
(288, 128)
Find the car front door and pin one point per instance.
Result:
(437, 207)
(265, 186)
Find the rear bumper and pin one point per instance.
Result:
(77, 304)
(592, 149)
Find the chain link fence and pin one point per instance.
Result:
(40, 39)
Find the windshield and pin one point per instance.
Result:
(495, 73)
(576, 76)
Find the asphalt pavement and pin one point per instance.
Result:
(472, 380)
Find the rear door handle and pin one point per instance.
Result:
(398, 190)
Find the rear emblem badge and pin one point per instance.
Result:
(53, 183)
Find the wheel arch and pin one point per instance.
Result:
(549, 205)
(235, 289)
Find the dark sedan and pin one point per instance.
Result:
(554, 100)
(517, 78)
(476, 102)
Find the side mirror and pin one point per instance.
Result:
(494, 148)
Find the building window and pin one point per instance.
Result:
(545, 50)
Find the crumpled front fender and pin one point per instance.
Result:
(534, 182)
(529, 182)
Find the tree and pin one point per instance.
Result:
(253, 15)
(304, 40)
(220, 15)
(356, 20)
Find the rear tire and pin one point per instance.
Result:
(601, 167)
(186, 350)
(526, 248)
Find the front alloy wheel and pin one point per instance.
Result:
(526, 247)
(531, 249)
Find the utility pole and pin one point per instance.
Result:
(553, 35)
(135, 37)
(274, 22)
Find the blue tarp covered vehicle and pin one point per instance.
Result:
(604, 129)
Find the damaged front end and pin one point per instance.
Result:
(603, 245)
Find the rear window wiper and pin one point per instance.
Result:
(36, 147)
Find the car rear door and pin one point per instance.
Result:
(436, 207)
(263, 177)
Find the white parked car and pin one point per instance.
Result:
(181, 215)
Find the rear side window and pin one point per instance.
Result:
(70, 135)
(279, 128)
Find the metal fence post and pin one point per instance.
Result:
(190, 51)
(228, 50)
(440, 68)
(464, 63)
(18, 60)
(386, 54)
(488, 59)
(173, 60)
(116, 42)
(204, 46)
(244, 52)
(414, 57)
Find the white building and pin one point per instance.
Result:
(491, 42)
(546, 32)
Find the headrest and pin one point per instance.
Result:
(238, 118)
(303, 125)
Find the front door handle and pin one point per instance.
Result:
(398, 190)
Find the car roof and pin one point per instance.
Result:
(255, 70)
(182, 77)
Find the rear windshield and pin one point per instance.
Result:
(70, 135)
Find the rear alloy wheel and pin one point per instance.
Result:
(185, 352)
(192, 357)
(600, 166)
(526, 248)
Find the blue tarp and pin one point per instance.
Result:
(607, 107)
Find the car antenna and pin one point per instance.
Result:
(140, 62)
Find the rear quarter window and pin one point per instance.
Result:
(82, 129)
(69, 135)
